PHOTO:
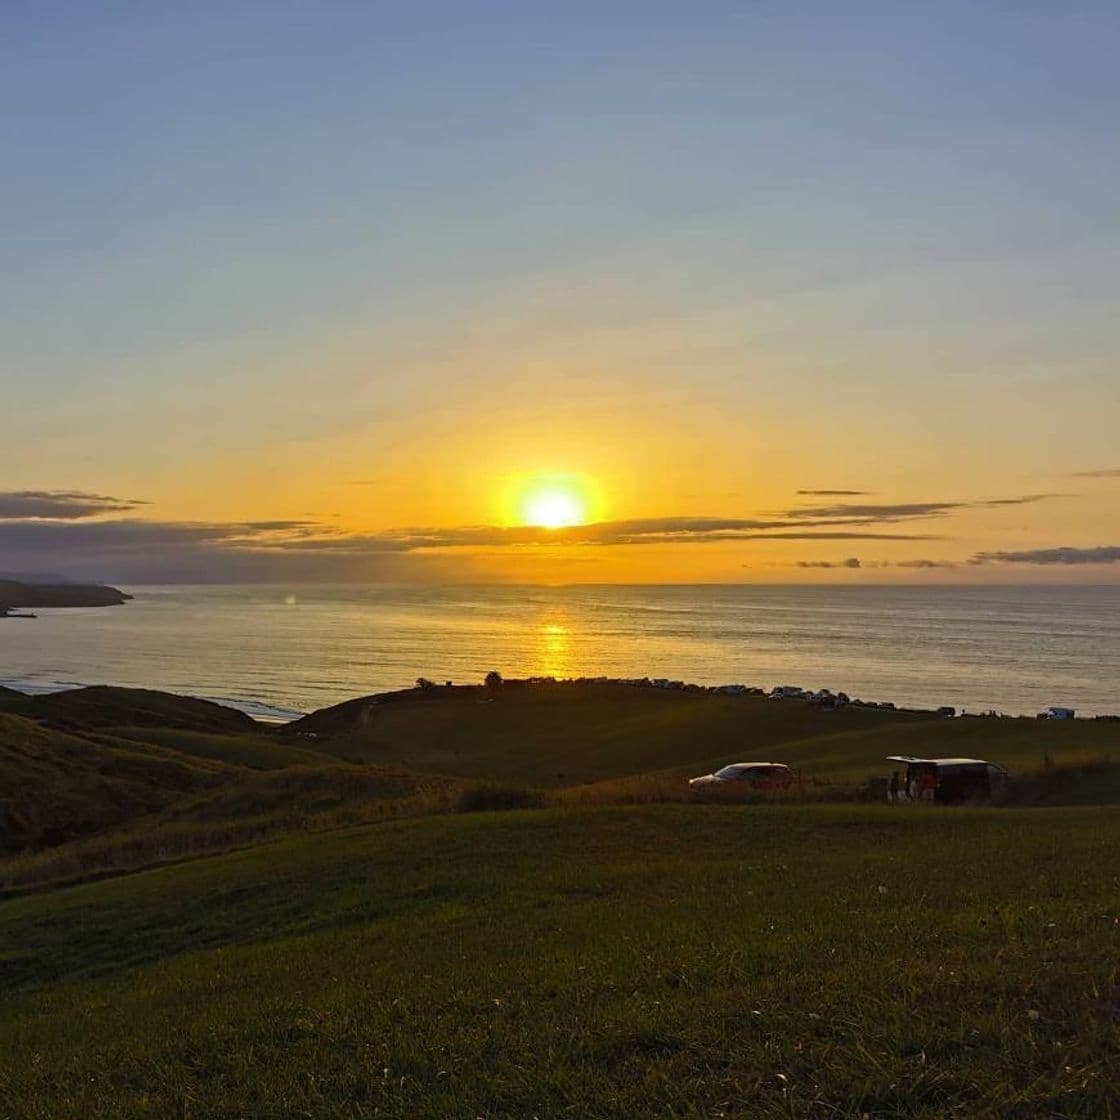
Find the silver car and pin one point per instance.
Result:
(756, 775)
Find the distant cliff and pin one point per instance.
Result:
(15, 594)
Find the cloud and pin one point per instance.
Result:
(835, 493)
(869, 513)
(646, 531)
(1102, 554)
(136, 550)
(1110, 472)
(64, 505)
(921, 564)
(851, 562)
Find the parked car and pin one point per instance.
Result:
(787, 692)
(755, 775)
(950, 780)
(1058, 713)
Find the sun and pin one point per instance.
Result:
(553, 508)
(551, 501)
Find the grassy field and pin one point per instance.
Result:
(572, 734)
(812, 961)
(93, 782)
(202, 917)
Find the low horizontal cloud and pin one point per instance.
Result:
(48, 530)
(166, 551)
(63, 505)
(921, 564)
(855, 562)
(835, 493)
(871, 512)
(1108, 472)
(1102, 554)
(851, 562)
(645, 531)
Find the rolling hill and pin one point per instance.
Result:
(56, 786)
(558, 735)
(806, 961)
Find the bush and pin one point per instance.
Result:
(494, 798)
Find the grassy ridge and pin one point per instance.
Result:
(819, 961)
(128, 772)
(104, 706)
(571, 734)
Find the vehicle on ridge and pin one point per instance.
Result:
(754, 775)
(949, 780)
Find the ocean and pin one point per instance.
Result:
(276, 651)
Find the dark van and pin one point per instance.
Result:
(950, 780)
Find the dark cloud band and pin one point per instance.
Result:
(63, 505)
(1102, 554)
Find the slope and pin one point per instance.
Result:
(805, 961)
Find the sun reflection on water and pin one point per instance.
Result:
(553, 650)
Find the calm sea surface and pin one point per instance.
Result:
(279, 650)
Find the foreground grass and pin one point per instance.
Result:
(792, 961)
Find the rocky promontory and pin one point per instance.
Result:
(15, 594)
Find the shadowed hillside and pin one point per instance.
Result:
(122, 778)
(56, 786)
(566, 734)
(551, 735)
(102, 706)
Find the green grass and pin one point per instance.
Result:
(819, 961)
(256, 750)
(591, 959)
(246, 808)
(56, 786)
(570, 735)
(102, 706)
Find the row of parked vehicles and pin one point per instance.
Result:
(943, 780)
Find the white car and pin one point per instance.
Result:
(756, 775)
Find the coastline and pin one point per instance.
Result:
(302, 648)
(275, 715)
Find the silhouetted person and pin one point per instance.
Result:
(895, 787)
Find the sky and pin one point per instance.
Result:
(764, 292)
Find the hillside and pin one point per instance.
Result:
(555, 735)
(814, 962)
(56, 786)
(103, 706)
(205, 916)
(124, 778)
(567, 734)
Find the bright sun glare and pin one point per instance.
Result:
(551, 501)
(553, 508)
